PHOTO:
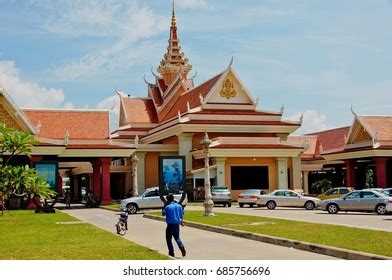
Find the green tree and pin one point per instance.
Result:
(321, 186)
(19, 180)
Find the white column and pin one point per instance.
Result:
(141, 172)
(296, 172)
(281, 166)
(306, 181)
(185, 148)
(220, 171)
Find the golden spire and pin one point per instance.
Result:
(173, 22)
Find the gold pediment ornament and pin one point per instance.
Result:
(228, 90)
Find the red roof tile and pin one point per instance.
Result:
(332, 139)
(79, 124)
(192, 97)
(139, 110)
(156, 95)
(379, 127)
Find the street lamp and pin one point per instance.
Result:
(208, 203)
(135, 191)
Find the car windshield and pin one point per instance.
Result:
(251, 192)
(145, 192)
(220, 189)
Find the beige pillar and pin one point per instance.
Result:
(296, 172)
(185, 148)
(305, 175)
(220, 171)
(281, 171)
(141, 171)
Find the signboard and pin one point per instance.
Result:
(48, 170)
(172, 175)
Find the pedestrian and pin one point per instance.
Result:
(174, 213)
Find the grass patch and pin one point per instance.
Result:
(363, 240)
(113, 207)
(29, 236)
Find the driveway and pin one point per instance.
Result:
(201, 245)
(351, 219)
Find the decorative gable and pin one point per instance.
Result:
(358, 134)
(230, 90)
(11, 116)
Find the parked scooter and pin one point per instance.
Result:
(92, 201)
(122, 224)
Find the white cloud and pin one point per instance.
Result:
(29, 94)
(113, 104)
(122, 26)
(193, 4)
(313, 121)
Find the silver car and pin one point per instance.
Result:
(249, 197)
(149, 199)
(287, 198)
(363, 200)
(221, 195)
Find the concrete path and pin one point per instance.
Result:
(201, 245)
(352, 219)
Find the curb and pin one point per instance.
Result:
(299, 245)
(110, 209)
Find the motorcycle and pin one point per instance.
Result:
(122, 224)
(92, 201)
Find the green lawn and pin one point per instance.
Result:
(370, 241)
(114, 206)
(29, 236)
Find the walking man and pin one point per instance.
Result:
(174, 213)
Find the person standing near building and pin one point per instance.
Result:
(173, 213)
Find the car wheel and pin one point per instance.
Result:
(132, 208)
(241, 205)
(309, 205)
(229, 205)
(271, 205)
(332, 209)
(381, 209)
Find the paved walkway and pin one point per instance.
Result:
(201, 245)
(351, 219)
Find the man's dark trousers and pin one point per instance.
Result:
(173, 230)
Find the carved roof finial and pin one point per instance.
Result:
(136, 141)
(66, 138)
(173, 22)
(188, 106)
(301, 119)
(282, 109)
(352, 111)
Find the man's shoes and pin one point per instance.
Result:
(171, 255)
(183, 251)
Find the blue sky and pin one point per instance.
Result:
(316, 57)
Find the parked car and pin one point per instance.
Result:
(221, 195)
(249, 197)
(148, 200)
(361, 200)
(287, 198)
(374, 189)
(334, 193)
(387, 192)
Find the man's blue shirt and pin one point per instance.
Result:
(173, 213)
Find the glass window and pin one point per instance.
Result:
(343, 191)
(332, 192)
(353, 195)
(369, 195)
(152, 193)
(291, 194)
(279, 193)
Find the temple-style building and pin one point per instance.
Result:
(251, 147)
(357, 156)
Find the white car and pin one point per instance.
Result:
(249, 197)
(148, 200)
(287, 198)
(389, 206)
